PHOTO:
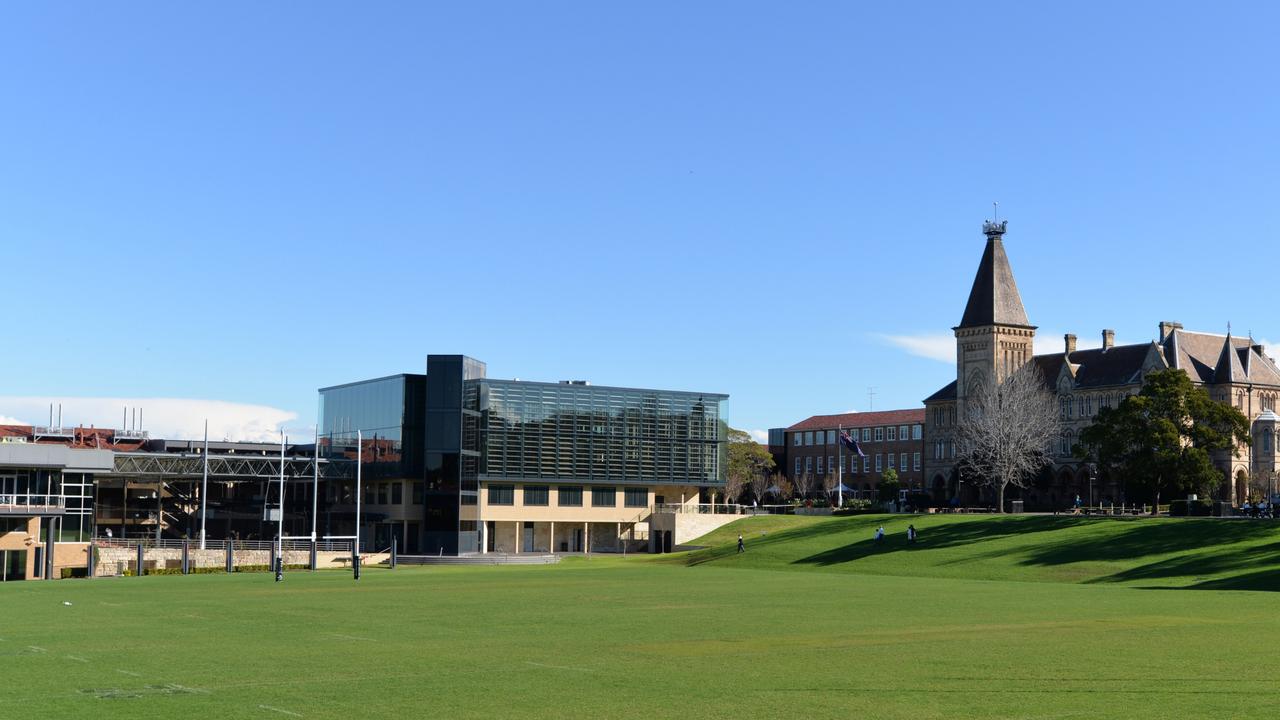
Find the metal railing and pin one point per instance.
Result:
(167, 544)
(711, 509)
(31, 500)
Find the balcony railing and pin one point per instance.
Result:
(31, 500)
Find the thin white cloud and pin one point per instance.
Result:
(6, 420)
(760, 436)
(169, 418)
(934, 346)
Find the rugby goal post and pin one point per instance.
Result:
(315, 489)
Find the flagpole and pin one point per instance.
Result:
(840, 464)
(280, 519)
(315, 485)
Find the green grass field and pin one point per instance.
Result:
(986, 617)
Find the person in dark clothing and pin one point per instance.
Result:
(911, 533)
(741, 546)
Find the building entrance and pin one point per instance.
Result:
(13, 565)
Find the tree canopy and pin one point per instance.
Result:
(748, 460)
(1161, 439)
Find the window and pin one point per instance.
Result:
(866, 464)
(879, 434)
(831, 437)
(916, 432)
(892, 464)
(419, 489)
(831, 463)
(569, 496)
(502, 494)
(604, 497)
(915, 461)
(866, 434)
(397, 493)
(797, 467)
(382, 493)
(808, 437)
(902, 432)
(902, 462)
(636, 497)
(797, 439)
(892, 433)
(819, 464)
(879, 465)
(808, 464)
(537, 495)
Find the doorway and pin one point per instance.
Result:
(527, 545)
(577, 539)
(13, 565)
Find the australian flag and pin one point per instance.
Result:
(847, 440)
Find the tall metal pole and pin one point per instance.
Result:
(280, 519)
(840, 465)
(204, 483)
(359, 463)
(315, 485)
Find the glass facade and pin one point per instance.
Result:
(388, 412)
(526, 430)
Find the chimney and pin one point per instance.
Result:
(1167, 327)
(1070, 343)
(1108, 339)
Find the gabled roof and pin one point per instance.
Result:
(1116, 365)
(1204, 357)
(994, 298)
(1229, 368)
(862, 419)
(946, 393)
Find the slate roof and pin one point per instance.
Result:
(994, 298)
(1117, 365)
(1210, 358)
(946, 393)
(862, 419)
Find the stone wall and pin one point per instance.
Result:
(113, 561)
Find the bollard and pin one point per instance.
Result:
(90, 564)
(313, 556)
(271, 564)
(139, 558)
(355, 564)
(231, 558)
(186, 558)
(393, 552)
(280, 567)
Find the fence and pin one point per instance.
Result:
(321, 545)
(32, 500)
(722, 509)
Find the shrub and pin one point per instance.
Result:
(855, 506)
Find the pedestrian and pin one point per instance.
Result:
(741, 546)
(1077, 501)
(108, 533)
(911, 533)
(880, 534)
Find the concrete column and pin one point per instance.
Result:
(484, 537)
(586, 538)
(519, 532)
(618, 539)
(553, 536)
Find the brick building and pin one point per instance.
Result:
(890, 439)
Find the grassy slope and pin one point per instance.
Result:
(1207, 554)
(614, 638)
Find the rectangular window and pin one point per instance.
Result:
(915, 461)
(879, 434)
(808, 437)
(866, 434)
(916, 431)
(418, 490)
(892, 464)
(866, 464)
(604, 497)
(902, 462)
(382, 493)
(636, 497)
(892, 433)
(902, 432)
(831, 437)
(397, 493)
(808, 464)
(502, 494)
(819, 464)
(879, 466)
(797, 439)
(797, 467)
(569, 496)
(539, 495)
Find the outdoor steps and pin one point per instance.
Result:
(488, 559)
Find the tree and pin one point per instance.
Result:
(830, 482)
(749, 461)
(888, 487)
(1008, 430)
(759, 485)
(780, 486)
(733, 487)
(1161, 439)
(806, 485)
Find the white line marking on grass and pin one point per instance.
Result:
(77, 658)
(276, 709)
(127, 672)
(34, 648)
(557, 667)
(340, 636)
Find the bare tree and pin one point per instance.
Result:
(830, 482)
(759, 484)
(805, 485)
(1008, 430)
(733, 488)
(781, 487)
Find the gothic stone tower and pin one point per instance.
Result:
(994, 337)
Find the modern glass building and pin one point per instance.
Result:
(496, 451)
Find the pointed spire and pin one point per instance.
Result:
(1229, 368)
(994, 299)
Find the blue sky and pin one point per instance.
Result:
(242, 202)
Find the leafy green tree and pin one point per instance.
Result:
(887, 490)
(1161, 439)
(748, 460)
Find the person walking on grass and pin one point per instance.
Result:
(741, 547)
(912, 535)
(880, 534)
